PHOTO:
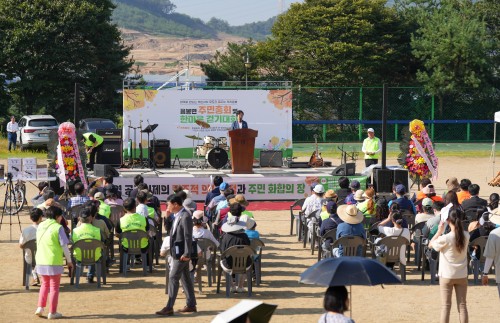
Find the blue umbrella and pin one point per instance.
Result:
(348, 271)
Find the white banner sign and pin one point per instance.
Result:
(267, 111)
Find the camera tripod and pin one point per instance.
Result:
(13, 202)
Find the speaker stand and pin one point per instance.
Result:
(176, 159)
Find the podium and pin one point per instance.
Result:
(242, 143)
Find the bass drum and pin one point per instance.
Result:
(217, 157)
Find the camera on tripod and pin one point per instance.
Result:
(9, 176)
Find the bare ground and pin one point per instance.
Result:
(137, 297)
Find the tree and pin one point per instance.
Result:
(454, 46)
(53, 44)
(230, 65)
(338, 43)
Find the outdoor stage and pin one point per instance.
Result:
(265, 184)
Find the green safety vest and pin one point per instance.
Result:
(151, 212)
(371, 145)
(49, 251)
(324, 215)
(89, 143)
(83, 232)
(250, 214)
(104, 209)
(131, 222)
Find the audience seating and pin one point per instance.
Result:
(427, 254)
(134, 248)
(295, 217)
(328, 235)
(417, 237)
(393, 245)
(206, 246)
(240, 256)
(88, 248)
(476, 264)
(350, 245)
(72, 215)
(257, 245)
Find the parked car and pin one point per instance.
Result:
(92, 124)
(34, 130)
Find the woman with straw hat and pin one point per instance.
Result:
(352, 225)
(368, 207)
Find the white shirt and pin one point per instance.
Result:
(311, 204)
(390, 232)
(142, 209)
(12, 127)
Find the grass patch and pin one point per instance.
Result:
(40, 154)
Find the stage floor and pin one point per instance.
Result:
(269, 184)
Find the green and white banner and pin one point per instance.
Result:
(176, 112)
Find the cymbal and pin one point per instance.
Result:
(193, 137)
(202, 123)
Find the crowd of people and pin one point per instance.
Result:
(450, 221)
(223, 220)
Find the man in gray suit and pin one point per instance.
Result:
(181, 242)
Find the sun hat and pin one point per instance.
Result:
(330, 194)
(200, 215)
(429, 189)
(370, 130)
(233, 224)
(452, 183)
(189, 204)
(248, 221)
(240, 198)
(319, 189)
(99, 196)
(358, 196)
(427, 202)
(400, 189)
(349, 213)
(223, 186)
(495, 216)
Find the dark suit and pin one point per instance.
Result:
(236, 125)
(471, 205)
(182, 232)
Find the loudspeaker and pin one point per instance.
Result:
(161, 157)
(110, 133)
(104, 170)
(271, 158)
(382, 180)
(346, 169)
(159, 142)
(401, 175)
(110, 152)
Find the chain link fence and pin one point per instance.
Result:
(343, 114)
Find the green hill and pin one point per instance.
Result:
(153, 16)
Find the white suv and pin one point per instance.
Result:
(34, 130)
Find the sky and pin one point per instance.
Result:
(235, 12)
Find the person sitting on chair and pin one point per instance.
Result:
(86, 231)
(93, 143)
(239, 123)
(28, 234)
(132, 221)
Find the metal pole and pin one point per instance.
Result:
(76, 105)
(360, 130)
(384, 124)
(432, 118)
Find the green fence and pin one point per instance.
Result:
(343, 114)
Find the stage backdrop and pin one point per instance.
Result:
(267, 111)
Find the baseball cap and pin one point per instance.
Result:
(427, 202)
(223, 186)
(370, 130)
(400, 189)
(99, 196)
(319, 189)
(355, 185)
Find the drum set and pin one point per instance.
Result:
(212, 152)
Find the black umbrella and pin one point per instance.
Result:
(348, 271)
